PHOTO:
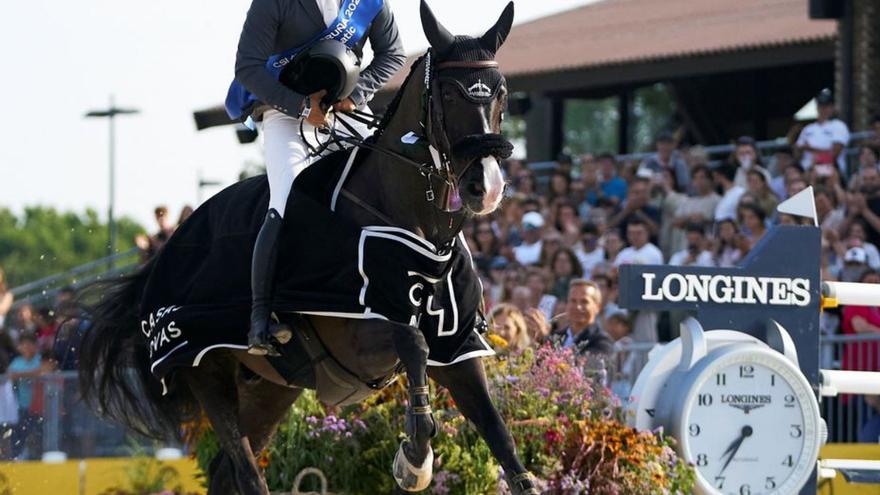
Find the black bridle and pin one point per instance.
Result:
(433, 136)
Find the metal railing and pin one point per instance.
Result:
(45, 289)
(53, 418)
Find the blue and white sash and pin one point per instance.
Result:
(352, 23)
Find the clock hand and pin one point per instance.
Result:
(734, 447)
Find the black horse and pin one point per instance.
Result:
(437, 148)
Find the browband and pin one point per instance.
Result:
(477, 64)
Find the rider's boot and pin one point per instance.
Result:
(260, 339)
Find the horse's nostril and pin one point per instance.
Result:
(475, 189)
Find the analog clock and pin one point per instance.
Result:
(748, 420)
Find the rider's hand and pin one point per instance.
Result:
(317, 117)
(345, 106)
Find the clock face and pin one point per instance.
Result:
(749, 425)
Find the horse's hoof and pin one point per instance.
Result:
(282, 333)
(411, 478)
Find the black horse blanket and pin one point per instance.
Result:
(197, 296)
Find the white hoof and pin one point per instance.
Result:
(411, 478)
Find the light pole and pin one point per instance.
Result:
(203, 183)
(110, 113)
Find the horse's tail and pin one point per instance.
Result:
(114, 364)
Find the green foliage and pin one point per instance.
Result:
(147, 476)
(590, 126)
(43, 241)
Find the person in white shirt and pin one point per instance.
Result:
(724, 176)
(529, 252)
(640, 251)
(696, 253)
(822, 142)
(588, 251)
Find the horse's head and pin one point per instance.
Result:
(468, 95)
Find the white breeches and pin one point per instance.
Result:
(287, 155)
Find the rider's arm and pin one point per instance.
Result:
(388, 56)
(255, 46)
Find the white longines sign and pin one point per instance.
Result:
(727, 289)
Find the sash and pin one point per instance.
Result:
(352, 23)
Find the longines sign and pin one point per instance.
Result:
(725, 289)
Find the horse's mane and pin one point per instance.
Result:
(395, 103)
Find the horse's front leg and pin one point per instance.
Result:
(466, 382)
(414, 462)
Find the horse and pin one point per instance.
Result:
(438, 147)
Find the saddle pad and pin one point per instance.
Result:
(197, 295)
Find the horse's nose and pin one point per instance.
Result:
(476, 189)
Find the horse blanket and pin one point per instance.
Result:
(197, 296)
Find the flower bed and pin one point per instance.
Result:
(568, 432)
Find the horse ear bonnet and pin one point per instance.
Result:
(478, 86)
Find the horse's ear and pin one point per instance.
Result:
(494, 37)
(439, 38)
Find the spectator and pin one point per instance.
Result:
(536, 281)
(611, 186)
(856, 236)
(529, 252)
(613, 245)
(6, 299)
(696, 209)
(864, 204)
(508, 322)
(855, 265)
(640, 250)
(821, 143)
(728, 250)
(745, 158)
(566, 221)
(588, 251)
(24, 321)
(753, 220)
(723, 176)
(830, 216)
(862, 320)
(550, 243)
(608, 290)
(667, 158)
(565, 267)
(149, 246)
(185, 213)
(560, 186)
(791, 171)
(696, 253)
(868, 159)
(758, 186)
(582, 332)
(637, 207)
(521, 298)
(496, 275)
(26, 366)
(486, 244)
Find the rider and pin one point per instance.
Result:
(286, 74)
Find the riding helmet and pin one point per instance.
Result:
(328, 65)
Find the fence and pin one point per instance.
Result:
(57, 420)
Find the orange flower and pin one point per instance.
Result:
(264, 459)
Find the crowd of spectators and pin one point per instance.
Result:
(555, 235)
(38, 340)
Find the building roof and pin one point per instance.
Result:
(615, 32)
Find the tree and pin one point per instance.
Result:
(44, 241)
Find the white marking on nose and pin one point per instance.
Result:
(493, 184)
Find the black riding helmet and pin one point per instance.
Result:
(328, 65)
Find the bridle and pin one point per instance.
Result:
(432, 135)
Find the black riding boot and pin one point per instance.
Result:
(262, 278)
